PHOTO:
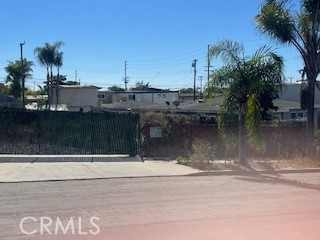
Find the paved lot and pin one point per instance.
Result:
(217, 207)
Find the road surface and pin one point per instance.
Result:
(215, 207)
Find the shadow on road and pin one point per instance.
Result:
(261, 178)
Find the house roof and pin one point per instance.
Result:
(285, 106)
(149, 90)
(35, 98)
(199, 107)
(208, 106)
(78, 87)
(9, 101)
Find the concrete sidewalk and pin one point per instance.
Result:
(20, 172)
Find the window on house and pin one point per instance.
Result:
(159, 95)
(293, 115)
(132, 97)
(300, 115)
(164, 95)
(100, 95)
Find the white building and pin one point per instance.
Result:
(156, 97)
(75, 97)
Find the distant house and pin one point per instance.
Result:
(151, 95)
(291, 92)
(289, 104)
(105, 96)
(188, 97)
(10, 102)
(75, 97)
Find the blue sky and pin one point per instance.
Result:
(158, 39)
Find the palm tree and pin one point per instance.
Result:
(300, 29)
(244, 80)
(58, 62)
(14, 76)
(140, 85)
(49, 56)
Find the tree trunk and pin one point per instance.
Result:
(310, 116)
(48, 90)
(242, 134)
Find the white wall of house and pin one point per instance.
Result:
(146, 97)
(104, 96)
(165, 97)
(76, 97)
(298, 115)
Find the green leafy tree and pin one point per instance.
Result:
(14, 76)
(4, 89)
(266, 98)
(140, 86)
(244, 79)
(301, 29)
(116, 88)
(186, 90)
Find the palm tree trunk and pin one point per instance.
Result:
(310, 116)
(242, 131)
(48, 90)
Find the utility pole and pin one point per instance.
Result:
(126, 80)
(208, 65)
(194, 65)
(200, 79)
(76, 76)
(22, 73)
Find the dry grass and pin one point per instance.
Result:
(203, 157)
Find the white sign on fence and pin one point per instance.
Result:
(155, 132)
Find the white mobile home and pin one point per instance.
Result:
(76, 97)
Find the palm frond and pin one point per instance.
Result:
(229, 51)
(276, 21)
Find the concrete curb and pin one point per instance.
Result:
(92, 179)
(38, 158)
(254, 172)
(200, 174)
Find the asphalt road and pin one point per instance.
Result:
(216, 207)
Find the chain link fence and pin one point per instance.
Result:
(50, 132)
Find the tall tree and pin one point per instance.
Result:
(115, 88)
(49, 56)
(244, 80)
(140, 85)
(302, 30)
(14, 76)
(4, 89)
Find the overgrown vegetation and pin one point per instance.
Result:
(202, 155)
(244, 80)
